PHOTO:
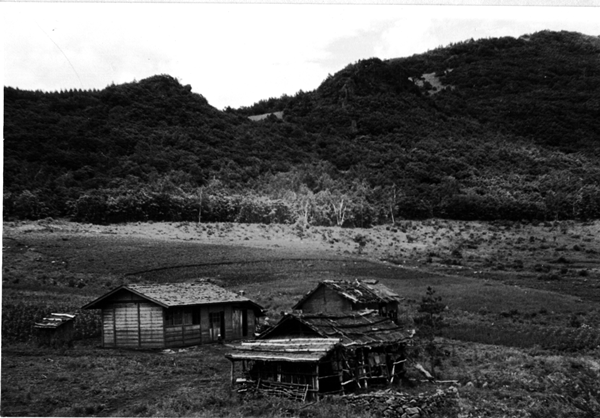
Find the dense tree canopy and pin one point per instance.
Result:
(492, 129)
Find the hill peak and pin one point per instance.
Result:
(163, 82)
(367, 77)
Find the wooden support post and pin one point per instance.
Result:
(367, 368)
(341, 374)
(394, 369)
(232, 373)
(317, 380)
(357, 370)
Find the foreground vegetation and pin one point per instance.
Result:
(493, 381)
(515, 347)
(492, 129)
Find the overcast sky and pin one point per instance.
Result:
(235, 55)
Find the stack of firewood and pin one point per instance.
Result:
(389, 403)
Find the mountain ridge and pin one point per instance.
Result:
(515, 135)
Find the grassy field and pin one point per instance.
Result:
(523, 317)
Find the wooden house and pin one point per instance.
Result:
(55, 330)
(174, 315)
(335, 296)
(371, 350)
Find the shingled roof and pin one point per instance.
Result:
(291, 349)
(360, 328)
(168, 295)
(364, 292)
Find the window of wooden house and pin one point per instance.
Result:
(174, 316)
(183, 316)
(187, 316)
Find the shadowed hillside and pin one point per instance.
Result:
(492, 129)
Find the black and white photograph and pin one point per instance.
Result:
(300, 209)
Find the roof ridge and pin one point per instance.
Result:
(180, 294)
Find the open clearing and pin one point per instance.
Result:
(523, 314)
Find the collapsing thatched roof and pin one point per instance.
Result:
(358, 292)
(353, 329)
(306, 350)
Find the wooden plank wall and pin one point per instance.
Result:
(228, 323)
(151, 326)
(126, 324)
(182, 335)
(232, 330)
(140, 324)
(236, 318)
(133, 324)
(251, 325)
(325, 300)
(204, 325)
(108, 327)
(126, 296)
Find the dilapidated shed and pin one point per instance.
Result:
(55, 330)
(174, 315)
(334, 296)
(299, 368)
(371, 349)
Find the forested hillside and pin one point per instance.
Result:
(492, 129)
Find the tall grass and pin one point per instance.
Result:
(224, 403)
(525, 336)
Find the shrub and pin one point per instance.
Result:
(26, 205)
(18, 318)
(430, 323)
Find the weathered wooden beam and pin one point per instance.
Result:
(340, 374)
(329, 376)
(317, 380)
